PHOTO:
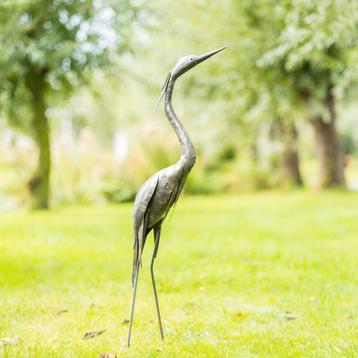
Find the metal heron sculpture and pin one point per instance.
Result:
(159, 193)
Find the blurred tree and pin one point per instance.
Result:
(46, 48)
(311, 46)
(236, 89)
(290, 157)
(287, 59)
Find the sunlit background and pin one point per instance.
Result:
(259, 258)
(80, 79)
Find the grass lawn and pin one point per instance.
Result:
(257, 275)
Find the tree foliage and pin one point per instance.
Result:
(47, 47)
(287, 60)
(62, 38)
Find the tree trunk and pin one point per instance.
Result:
(290, 157)
(40, 183)
(329, 149)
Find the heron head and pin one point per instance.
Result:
(188, 62)
(184, 65)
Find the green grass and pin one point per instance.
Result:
(228, 271)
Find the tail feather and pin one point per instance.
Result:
(135, 261)
(137, 251)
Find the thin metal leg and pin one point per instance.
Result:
(133, 302)
(157, 230)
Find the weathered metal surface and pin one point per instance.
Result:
(159, 193)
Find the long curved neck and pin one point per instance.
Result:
(188, 154)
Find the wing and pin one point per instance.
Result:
(174, 196)
(141, 205)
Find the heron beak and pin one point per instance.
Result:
(207, 55)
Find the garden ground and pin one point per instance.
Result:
(256, 275)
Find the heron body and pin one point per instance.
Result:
(153, 201)
(159, 193)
